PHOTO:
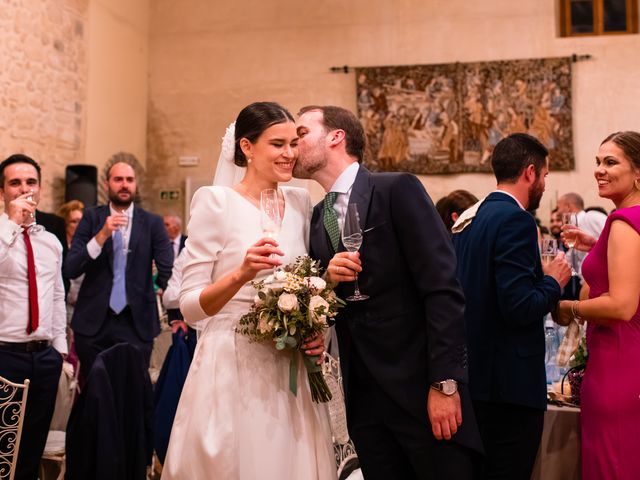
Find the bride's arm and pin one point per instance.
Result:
(216, 295)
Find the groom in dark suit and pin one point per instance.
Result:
(508, 293)
(114, 247)
(402, 351)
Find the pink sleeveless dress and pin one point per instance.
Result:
(610, 395)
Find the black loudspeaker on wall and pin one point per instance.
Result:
(81, 183)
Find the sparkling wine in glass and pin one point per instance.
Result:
(270, 220)
(123, 230)
(352, 240)
(32, 215)
(571, 235)
(549, 250)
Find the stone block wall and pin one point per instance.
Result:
(43, 82)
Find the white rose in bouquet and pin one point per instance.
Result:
(316, 302)
(288, 302)
(316, 284)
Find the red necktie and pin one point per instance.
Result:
(33, 286)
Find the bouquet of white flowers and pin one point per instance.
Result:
(293, 305)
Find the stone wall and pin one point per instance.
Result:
(43, 83)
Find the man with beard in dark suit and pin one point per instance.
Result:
(402, 351)
(114, 246)
(508, 292)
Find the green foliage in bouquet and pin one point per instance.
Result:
(293, 305)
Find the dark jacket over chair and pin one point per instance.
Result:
(507, 296)
(109, 434)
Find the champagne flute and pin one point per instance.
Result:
(270, 219)
(352, 240)
(549, 250)
(123, 230)
(571, 235)
(32, 215)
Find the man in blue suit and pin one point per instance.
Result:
(402, 351)
(508, 292)
(114, 246)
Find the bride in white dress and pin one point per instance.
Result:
(237, 418)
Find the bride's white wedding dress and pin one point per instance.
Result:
(237, 418)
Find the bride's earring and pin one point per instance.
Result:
(249, 160)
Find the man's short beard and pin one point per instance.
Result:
(300, 170)
(113, 198)
(534, 197)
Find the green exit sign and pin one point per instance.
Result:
(170, 195)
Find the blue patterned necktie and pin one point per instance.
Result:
(331, 219)
(118, 299)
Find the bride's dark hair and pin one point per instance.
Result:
(255, 119)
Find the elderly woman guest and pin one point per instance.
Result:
(610, 394)
(72, 213)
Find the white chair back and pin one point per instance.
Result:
(13, 403)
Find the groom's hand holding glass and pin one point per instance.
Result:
(344, 267)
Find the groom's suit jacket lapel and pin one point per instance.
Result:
(360, 195)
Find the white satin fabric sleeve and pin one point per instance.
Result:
(207, 228)
(171, 294)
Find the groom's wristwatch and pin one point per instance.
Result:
(448, 387)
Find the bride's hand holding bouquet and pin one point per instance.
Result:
(292, 308)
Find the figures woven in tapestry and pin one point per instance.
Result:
(447, 118)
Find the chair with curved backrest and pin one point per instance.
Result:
(13, 404)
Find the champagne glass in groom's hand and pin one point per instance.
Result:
(352, 240)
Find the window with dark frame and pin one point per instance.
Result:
(598, 17)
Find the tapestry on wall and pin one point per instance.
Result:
(447, 118)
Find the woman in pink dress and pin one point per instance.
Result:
(610, 394)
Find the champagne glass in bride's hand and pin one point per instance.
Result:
(570, 235)
(270, 220)
(352, 240)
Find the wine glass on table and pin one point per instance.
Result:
(571, 235)
(270, 219)
(352, 240)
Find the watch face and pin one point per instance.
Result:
(449, 387)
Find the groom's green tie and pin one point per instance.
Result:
(331, 219)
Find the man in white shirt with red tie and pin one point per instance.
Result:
(32, 310)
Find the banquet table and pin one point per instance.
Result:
(559, 454)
